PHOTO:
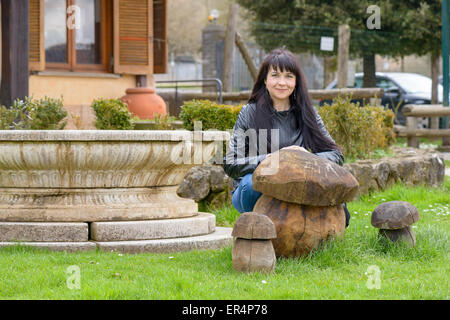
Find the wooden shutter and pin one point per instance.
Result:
(133, 35)
(160, 36)
(36, 35)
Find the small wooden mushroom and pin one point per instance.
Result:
(304, 200)
(394, 219)
(252, 247)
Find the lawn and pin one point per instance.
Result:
(340, 270)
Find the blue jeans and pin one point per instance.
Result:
(244, 196)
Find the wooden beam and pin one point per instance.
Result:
(15, 50)
(246, 55)
(343, 56)
(430, 133)
(356, 93)
(245, 95)
(229, 47)
(425, 110)
(411, 126)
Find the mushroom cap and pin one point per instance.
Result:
(304, 178)
(394, 215)
(253, 225)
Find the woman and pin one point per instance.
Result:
(279, 101)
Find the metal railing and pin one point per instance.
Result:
(218, 85)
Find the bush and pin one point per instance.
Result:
(358, 130)
(16, 116)
(163, 122)
(212, 115)
(112, 114)
(48, 114)
(43, 114)
(159, 122)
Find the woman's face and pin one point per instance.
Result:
(280, 85)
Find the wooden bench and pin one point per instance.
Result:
(411, 132)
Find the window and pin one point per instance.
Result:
(386, 84)
(76, 34)
(120, 36)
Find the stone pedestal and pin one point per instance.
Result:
(120, 184)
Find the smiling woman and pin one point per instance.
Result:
(280, 85)
(279, 104)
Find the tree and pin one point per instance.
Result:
(299, 25)
(422, 34)
(187, 18)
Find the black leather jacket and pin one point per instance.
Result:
(239, 161)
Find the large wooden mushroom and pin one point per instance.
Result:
(304, 199)
(252, 248)
(394, 219)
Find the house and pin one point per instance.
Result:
(86, 49)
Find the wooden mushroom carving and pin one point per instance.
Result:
(252, 248)
(394, 219)
(304, 200)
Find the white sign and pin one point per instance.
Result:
(327, 43)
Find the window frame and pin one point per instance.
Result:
(105, 44)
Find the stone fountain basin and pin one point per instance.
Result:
(99, 175)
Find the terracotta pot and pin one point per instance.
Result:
(144, 102)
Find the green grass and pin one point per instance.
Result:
(335, 271)
(376, 154)
(429, 143)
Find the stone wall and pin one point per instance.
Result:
(410, 166)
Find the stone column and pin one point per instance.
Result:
(213, 37)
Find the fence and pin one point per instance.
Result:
(412, 133)
(243, 96)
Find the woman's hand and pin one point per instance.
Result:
(293, 147)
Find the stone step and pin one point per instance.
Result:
(44, 231)
(221, 237)
(55, 246)
(203, 223)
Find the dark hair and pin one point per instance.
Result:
(284, 60)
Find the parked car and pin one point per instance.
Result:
(400, 88)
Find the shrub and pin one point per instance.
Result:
(358, 130)
(112, 114)
(16, 116)
(163, 122)
(159, 122)
(48, 114)
(212, 115)
(43, 114)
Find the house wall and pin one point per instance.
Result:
(414, 64)
(79, 91)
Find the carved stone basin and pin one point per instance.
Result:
(95, 175)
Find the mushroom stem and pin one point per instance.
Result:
(405, 234)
